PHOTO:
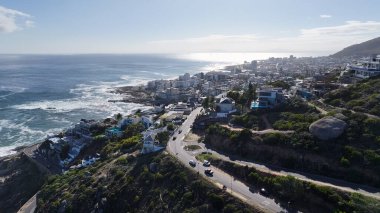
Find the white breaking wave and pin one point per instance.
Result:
(133, 81)
(92, 98)
(21, 134)
(7, 150)
(23, 128)
(12, 89)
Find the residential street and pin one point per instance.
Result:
(220, 178)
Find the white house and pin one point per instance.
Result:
(366, 68)
(226, 105)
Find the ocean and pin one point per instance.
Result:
(44, 94)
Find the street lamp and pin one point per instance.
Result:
(231, 184)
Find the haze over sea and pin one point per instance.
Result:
(44, 94)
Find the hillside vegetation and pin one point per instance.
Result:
(149, 183)
(361, 97)
(354, 156)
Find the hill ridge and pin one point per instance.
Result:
(366, 48)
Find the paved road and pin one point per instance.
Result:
(29, 206)
(220, 178)
(316, 179)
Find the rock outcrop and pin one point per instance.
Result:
(327, 128)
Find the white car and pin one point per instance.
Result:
(206, 163)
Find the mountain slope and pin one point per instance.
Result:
(145, 183)
(363, 49)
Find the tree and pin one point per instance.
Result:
(208, 102)
(170, 127)
(234, 95)
(162, 137)
(216, 201)
(205, 103)
(133, 129)
(250, 94)
(211, 102)
(281, 84)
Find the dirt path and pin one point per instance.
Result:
(322, 111)
(266, 131)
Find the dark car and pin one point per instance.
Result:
(263, 191)
(174, 138)
(209, 172)
(192, 163)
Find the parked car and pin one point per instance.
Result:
(192, 163)
(179, 131)
(209, 172)
(174, 138)
(206, 163)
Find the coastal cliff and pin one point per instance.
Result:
(20, 178)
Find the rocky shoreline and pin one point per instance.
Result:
(32, 164)
(134, 94)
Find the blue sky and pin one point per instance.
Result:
(183, 26)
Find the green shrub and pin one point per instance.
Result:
(216, 201)
(344, 162)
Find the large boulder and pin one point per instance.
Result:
(327, 128)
